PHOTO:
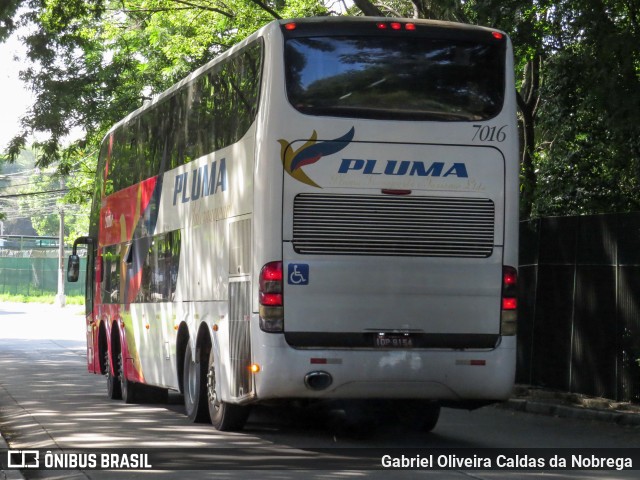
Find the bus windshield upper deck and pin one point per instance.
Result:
(396, 77)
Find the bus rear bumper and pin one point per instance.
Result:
(449, 375)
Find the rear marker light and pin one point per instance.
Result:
(390, 191)
(325, 361)
(472, 363)
(290, 26)
(497, 35)
(396, 26)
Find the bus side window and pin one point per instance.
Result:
(164, 262)
(144, 295)
(111, 267)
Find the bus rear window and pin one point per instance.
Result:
(405, 78)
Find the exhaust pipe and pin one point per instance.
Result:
(318, 380)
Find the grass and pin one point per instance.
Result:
(44, 298)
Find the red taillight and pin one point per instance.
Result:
(509, 303)
(497, 35)
(396, 26)
(290, 26)
(271, 272)
(509, 277)
(271, 298)
(271, 284)
(509, 306)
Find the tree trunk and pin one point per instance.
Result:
(528, 103)
(368, 8)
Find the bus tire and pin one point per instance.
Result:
(422, 415)
(113, 385)
(430, 416)
(129, 389)
(194, 388)
(225, 417)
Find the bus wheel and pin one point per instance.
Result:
(419, 414)
(113, 385)
(129, 389)
(430, 417)
(194, 381)
(224, 416)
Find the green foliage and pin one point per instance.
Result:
(46, 298)
(8, 10)
(589, 157)
(577, 65)
(94, 61)
(42, 210)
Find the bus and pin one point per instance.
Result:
(328, 211)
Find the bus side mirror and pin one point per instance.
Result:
(73, 268)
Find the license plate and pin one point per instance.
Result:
(393, 341)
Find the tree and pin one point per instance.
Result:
(590, 116)
(94, 61)
(32, 199)
(8, 10)
(577, 62)
(579, 95)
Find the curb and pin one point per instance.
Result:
(6, 474)
(578, 413)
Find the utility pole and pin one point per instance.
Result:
(60, 297)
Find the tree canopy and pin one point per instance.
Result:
(90, 62)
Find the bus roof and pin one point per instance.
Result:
(341, 25)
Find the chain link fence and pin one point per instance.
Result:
(34, 272)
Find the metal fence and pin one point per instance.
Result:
(579, 315)
(36, 276)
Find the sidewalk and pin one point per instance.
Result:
(56, 323)
(6, 474)
(572, 405)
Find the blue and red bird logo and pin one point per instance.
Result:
(310, 152)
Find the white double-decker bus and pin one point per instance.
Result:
(328, 210)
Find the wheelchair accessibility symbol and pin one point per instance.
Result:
(298, 274)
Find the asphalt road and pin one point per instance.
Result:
(49, 401)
